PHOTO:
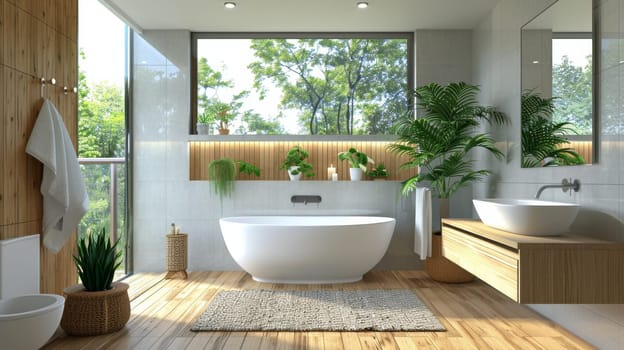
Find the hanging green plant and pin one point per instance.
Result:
(221, 173)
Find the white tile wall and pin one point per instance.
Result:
(496, 57)
(164, 194)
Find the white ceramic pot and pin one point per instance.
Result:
(356, 174)
(203, 129)
(294, 177)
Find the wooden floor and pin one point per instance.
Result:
(475, 315)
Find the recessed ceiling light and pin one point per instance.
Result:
(362, 4)
(229, 4)
(535, 62)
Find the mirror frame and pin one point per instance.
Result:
(596, 132)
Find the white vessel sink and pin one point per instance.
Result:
(527, 216)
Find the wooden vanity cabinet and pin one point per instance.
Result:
(562, 269)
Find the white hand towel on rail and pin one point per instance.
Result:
(422, 227)
(65, 198)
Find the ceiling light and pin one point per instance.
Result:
(535, 62)
(229, 4)
(362, 4)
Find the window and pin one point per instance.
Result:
(301, 84)
(572, 80)
(101, 123)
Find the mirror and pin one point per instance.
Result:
(558, 95)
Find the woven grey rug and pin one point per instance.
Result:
(317, 310)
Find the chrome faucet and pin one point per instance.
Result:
(305, 199)
(565, 186)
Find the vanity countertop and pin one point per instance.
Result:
(515, 241)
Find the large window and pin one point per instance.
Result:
(303, 84)
(101, 123)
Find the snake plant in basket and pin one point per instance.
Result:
(97, 306)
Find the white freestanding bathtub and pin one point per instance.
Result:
(307, 249)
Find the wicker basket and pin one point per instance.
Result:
(93, 313)
(177, 254)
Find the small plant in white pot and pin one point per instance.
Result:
(358, 161)
(296, 165)
(205, 122)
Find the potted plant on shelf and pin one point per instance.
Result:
(224, 115)
(543, 139)
(97, 306)
(440, 143)
(204, 123)
(247, 168)
(295, 163)
(358, 161)
(379, 172)
(221, 173)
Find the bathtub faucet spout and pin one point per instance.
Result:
(305, 199)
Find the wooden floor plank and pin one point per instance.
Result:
(475, 315)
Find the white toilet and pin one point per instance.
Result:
(27, 318)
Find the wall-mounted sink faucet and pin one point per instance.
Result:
(305, 199)
(565, 186)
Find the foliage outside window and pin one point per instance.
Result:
(306, 85)
(572, 83)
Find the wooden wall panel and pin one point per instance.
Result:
(584, 148)
(10, 155)
(268, 156)
(37, 39)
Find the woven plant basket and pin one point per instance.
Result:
(94, 313)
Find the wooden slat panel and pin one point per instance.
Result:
(9, 27)
(9, 143)
(3, 201)
(268, 155)
(584, 148)
(23, 43)
(37, 39)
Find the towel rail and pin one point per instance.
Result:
(52, 82)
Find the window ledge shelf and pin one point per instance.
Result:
(329, 138)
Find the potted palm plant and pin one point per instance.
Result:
(295, 163)
(439, 143)
(98, 305)
(358, 161)
(543, 140)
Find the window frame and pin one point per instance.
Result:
(195, 36)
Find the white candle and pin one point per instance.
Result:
(334, 177)
(330, 172)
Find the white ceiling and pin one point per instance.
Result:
(301, 15)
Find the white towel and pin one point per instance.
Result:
(65, 198)
(422, 227)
